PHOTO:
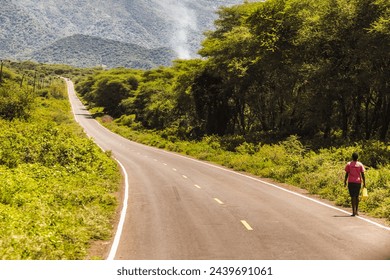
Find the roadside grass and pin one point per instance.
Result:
(320, 173)
(57, 188)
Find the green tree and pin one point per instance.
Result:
(347, 67)
(109, 93)
(153, 103)
(15, 102)
(187, 121)
(211, 103)
(317, 69)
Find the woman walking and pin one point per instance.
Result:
(354, 173)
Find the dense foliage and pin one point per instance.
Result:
(317, 69)
(87, 51)
(289, 161)
(56, 186)
(311, 68)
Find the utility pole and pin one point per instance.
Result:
(21, 80)
(35, 80)
(1, 71)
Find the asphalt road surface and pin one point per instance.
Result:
(181, 208)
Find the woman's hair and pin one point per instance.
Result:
(355, 156)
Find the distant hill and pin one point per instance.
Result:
(87, 51)
(39, 29)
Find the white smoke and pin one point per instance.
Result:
(184, 22)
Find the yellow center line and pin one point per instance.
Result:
(174, 169)
(184, 176)
(196, 186)
(219, 201)
(246, 225)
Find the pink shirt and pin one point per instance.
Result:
(354, 170)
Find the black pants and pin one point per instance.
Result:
(354, 189)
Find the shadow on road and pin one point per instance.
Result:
(342, 216)
(88, 116)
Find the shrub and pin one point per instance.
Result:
(56, 186)
(127, 120)
(375, 153)
(320, 172)
(15, 103)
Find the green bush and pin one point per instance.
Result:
(47, 213)
(375, 153)
(56, 186)
(320, 172)
(15, 102)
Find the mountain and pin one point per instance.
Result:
(39, 29)
(89, 51)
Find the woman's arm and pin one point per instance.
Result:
(364, 179)
(345, 179)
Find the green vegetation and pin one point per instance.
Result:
(286, 89)
(56, 186)
(87, 51)
(289, 161)
(317, 70)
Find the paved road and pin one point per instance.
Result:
(180, 208)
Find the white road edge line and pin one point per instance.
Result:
(119, 230)
(258, 180)
(246, 225)
(274, 186)
(121, 223)
(218, 201)
(243, 175)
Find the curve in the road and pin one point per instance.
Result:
(183, 208)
